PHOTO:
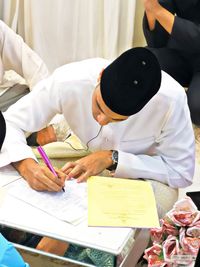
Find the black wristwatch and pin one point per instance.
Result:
(113, 167)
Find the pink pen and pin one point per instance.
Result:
(47, 161)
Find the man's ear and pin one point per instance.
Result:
(100, 75)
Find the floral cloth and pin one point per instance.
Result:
(91, 256)
(177, 241)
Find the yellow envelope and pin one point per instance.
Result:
(118, 202)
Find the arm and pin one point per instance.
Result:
(18, 56)
(173, 162)
(156, 12)
(30, 114)
(185, 36)
(158, 21)
(162, 28)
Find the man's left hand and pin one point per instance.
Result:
(90, 165)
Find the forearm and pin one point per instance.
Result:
(141, 166)
(156, 12)
(155, 34)
(173, 173)
(163, 16)
(22, 165)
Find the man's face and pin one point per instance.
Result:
(101, 113)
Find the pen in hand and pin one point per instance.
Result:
(47, 162)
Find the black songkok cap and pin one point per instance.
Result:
(130, 81)
(2, 129)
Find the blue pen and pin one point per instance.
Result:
(47, 162)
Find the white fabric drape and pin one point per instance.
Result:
(62, 31)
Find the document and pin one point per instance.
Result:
(118, 202)
(69, 206)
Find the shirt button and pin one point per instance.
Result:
(106, 139)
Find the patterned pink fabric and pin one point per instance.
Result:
(177, 241)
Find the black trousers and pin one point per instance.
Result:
(186, 70)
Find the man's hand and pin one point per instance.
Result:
(92, 164)
(46, 135)
(39, 177)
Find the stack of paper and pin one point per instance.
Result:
(70, 206)
(121, 203)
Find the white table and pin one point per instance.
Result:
(17, 214)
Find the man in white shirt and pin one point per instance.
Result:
(20, 70)
(135, 122)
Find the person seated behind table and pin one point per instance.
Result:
(8, 254)
(172, 33)
(137, 114)
(17, 56)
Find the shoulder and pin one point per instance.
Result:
(170, 89)
(80, 70)
(4, 28)
(3, 24)
(171, 95)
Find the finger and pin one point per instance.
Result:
(76, 171)
(51, 185)
(61, 175)
(36, 185)
(52, 177)
(68, 165)
(83, 177)
(40, 185)
(51, 182)
(68, 177)
(68, 171)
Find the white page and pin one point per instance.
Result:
(8, 175)
(70, 206)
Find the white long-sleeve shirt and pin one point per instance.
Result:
(156, 143)
(17, 56)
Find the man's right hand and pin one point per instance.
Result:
(39, 177)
